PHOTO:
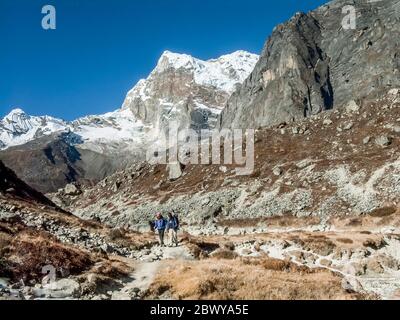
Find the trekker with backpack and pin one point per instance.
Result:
(172, 228)
(160, 224)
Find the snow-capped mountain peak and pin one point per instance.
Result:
(17, 127)
(174, 60)
(180, 84)
(223, 73)
(15, 112)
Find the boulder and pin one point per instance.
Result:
(106, 248)
(116, 186)
(175, 171)
(304, 163)
(396, 129)
(374, 266)
(356, 269)
(383, 141)
(366, 140)
(277, 171)
(72, 190)
(348, 126)
(325, 263)
(352, 106)
(62, 289)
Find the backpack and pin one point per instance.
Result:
(176, 222)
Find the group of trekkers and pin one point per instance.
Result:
(169, 225)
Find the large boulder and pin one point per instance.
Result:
(62, 289)
(72, 190)
(175, 171)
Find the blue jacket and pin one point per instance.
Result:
(160, 224)
(173, 223)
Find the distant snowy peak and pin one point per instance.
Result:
(15, 113)
(223, 73)
(18, 128)
(18, 122)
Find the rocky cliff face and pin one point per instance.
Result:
(188, 90)
(311, 64)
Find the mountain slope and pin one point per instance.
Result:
(18, 128)
(188, 90)
(12, 186)
(311, 64)
(86, 150)
(327, 165)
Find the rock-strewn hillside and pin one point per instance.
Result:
(336, 163)
(323, 196)
(311, 64)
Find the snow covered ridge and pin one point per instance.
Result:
(182, 82)
(18, 128)
(223, 73)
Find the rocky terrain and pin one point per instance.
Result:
(48, 253)
(318, 218)
(332, 207)
(342, 162)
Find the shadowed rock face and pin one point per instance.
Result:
(311, 64)
(49, 163)
(11, 185)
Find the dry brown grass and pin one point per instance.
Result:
(28, 251)
(345, 240)
(321, 246)
(112, 268)
(247, 279)
(383, 212)
(275, 264)
(5, 240)
(198, 247)
(224, 254)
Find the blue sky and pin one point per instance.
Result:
(100, 48)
